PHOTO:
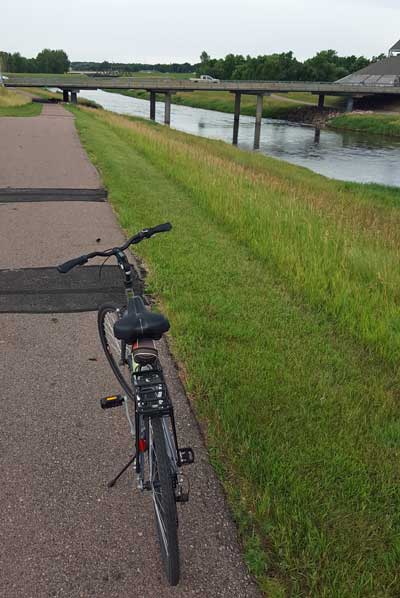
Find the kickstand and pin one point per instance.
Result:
(114, 480)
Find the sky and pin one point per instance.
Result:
(179, 30)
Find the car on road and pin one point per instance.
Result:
(205, 79)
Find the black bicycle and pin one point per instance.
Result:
(128, 334)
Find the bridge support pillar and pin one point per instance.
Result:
(65, 95)
(167, 108)
(74, 97)
(349, 104)
(236, 118)
(152, 105)
(257, 128)
(321, 101)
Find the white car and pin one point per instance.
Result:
(205, 79)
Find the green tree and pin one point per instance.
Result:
(204, 57)
(52, 61)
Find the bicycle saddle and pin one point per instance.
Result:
(138, 322)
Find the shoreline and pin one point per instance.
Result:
(368, 122)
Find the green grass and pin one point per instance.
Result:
(282, 106)
(14, 104)
(25, 110)
(282, 290)
(377, 124)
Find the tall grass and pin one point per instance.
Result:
(281, 289)
(340, 255)
(376, 124)
(17, 104)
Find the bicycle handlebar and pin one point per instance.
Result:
(146, 233)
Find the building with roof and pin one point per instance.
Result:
(383, 72)
(395, 50)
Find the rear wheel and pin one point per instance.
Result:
(162, 483)
(116, 351)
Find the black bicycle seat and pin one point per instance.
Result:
(138, 323)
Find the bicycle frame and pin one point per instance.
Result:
(150, 396)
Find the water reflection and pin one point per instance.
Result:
(346, 156)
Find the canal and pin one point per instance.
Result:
(340, 155)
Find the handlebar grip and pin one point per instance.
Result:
(67, 266)
(161, 228)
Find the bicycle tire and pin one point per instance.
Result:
(107, 315)
(164, 502)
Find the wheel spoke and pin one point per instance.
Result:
(164, 498)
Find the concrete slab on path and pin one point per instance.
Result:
(9, 195)
(46, 234)
(45, 290)
(44, 152)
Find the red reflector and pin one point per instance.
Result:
(142, 445)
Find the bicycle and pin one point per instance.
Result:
(128, 334)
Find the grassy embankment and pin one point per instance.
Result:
(377, 124)
(14, 104)
(284, 106)
(282, 288)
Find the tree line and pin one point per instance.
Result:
(326, 65)
(47, 61)
(132, 67)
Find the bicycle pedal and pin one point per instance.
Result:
(186, 455)
(112, 401)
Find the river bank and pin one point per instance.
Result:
(295, 107)
(346, 156)
(371, 123)
(281, 287)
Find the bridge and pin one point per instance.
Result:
(71, 86)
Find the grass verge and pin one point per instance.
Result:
(282, 289)
(16, 104)
(376, 124)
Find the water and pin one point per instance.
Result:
(345, 156)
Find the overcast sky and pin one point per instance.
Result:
(178, 30)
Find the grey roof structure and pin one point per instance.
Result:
(394, 49)
(383, 72)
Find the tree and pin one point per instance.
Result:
(52, 61)
(204, 57)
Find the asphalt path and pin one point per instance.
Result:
(63, 532)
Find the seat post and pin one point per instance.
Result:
(126, 270)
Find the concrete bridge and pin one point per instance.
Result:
(70, 87)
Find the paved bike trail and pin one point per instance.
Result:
(63, 532)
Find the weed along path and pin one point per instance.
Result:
(63, 533)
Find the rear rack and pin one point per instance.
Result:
(151, 393)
